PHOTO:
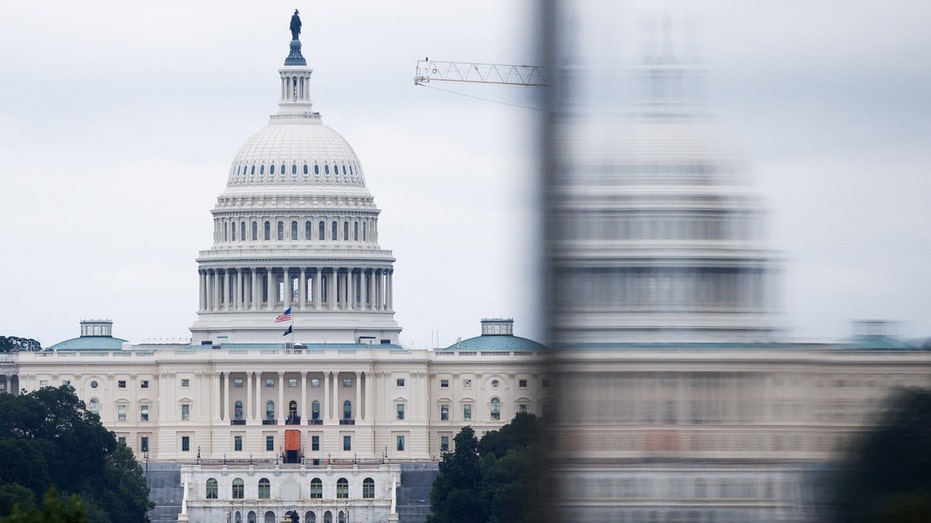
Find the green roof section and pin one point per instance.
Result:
(84, 343)
(506, 343)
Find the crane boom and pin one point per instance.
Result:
(435, 71)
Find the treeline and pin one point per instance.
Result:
(16, 344)
(49, 440)
(496, 479)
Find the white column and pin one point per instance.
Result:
(389, 291)
(239, 292)
(358, 407)
(259, 407)
(364, 291)
(317, 290)
(288, 287)
(269, 283)
(226, 289)
(302, 292)
(303, 401)
(326, 396)
(226, 396)
(249, 413)
(331, 289)
(217, 388)
(280, 410)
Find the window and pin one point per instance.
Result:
(121, 412)
(333, 235)
(237, 410)
(144, 413)
(345, 231)
(495, 383)
(185, 383)
(400, 382)
(467, 384)
(315, 443)
(522, 384)
(121, 384)
(185, 443)
(467, 411)
(368, 488)
(213, 488)
(185, 411)
(522, 408)
(265, 489)
(347, 382)
(293, 230)
(121, 440)
(307, 229)
(444, 412)
(239, 489)
(322, 231)
(242, 231)
(444, 384)
(342, 488)
(355, 231)
(347, 442)
(400, 442)
(270, 410)
(495, 409)
(255, 231)
(546, 383)
(347, 410)
(280, 230)
(66, 382)
(144, 443)
(316, 489)
(43, 383)
(94, 406)
(292, 382)
(400, 409)
(315, 410)
(444, 443)
(237, 443)
(315, 382)
(270, 383)
(270, 443)
(268, 230)
(237, 383)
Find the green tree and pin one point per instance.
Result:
(885, 477)
(53, 511)
(48, 437)
(15, 344)
(497, 479)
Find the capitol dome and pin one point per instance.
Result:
(295, 235)
(296, 152)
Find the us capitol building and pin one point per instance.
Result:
(678, 398)
(322, 420)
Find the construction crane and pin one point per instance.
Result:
(434, 71)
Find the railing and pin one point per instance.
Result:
(269, 422)
(315, 422)
(237, 422)
(347, 422)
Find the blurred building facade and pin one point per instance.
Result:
(679, 398)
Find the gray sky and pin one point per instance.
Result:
(118, 123)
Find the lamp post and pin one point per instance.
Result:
(145, 456)
(198, 454)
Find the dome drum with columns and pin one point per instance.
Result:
(296, 228)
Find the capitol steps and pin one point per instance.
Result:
(414, 492)
(165, 490)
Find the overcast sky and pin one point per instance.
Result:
(118, 123)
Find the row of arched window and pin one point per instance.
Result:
(282, 169)
(356, 230)
(309, 517)
(270, 409)
(238, 488)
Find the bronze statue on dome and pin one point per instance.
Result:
(295, 25)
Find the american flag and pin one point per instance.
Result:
(284, 316)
